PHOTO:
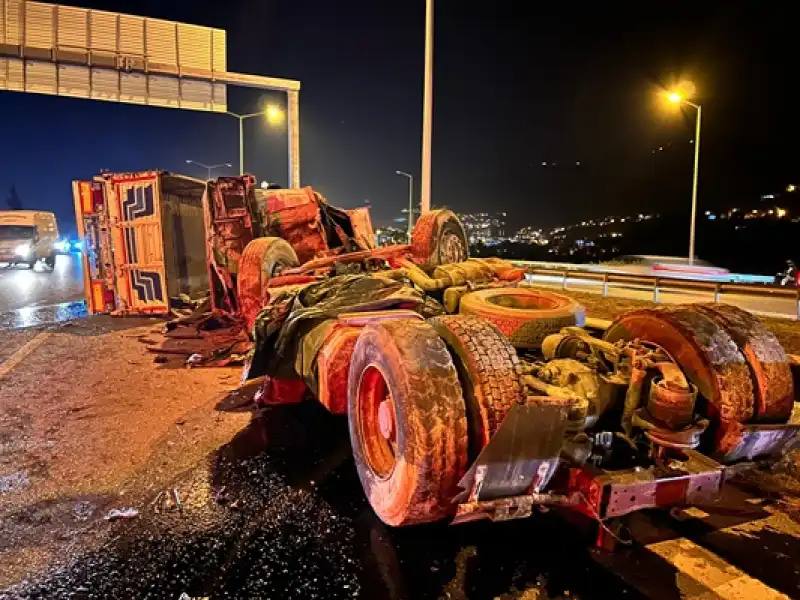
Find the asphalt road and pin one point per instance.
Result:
(278, 512)
(777, 306)
(31, 297)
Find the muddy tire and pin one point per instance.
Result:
(262, 259)
(708, 356)
(439, 238)
(408, 424)
(487, 366)
(769, 365)
(524, 315)
(50, 262)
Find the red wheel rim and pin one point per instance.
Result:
(376, 417)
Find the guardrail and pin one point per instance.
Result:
(672, 274)
(658, 284)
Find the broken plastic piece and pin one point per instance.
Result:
(122, 513)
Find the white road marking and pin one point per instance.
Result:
(701, 566)
(15, 359)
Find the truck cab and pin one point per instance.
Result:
(28, 236)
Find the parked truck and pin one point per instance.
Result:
(468, 394)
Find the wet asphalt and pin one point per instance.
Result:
(279, 513)
(33, 297)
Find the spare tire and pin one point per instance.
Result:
(408, 425)
(525, 315)
(439, 239)
(262, 259)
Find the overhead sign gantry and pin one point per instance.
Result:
(100, 55)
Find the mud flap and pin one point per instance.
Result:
(508, 476)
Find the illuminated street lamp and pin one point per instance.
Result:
(678, 98)
(410, 201)
(209, 168)
(274, 115)
(791, 187)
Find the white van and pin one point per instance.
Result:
(28, 236)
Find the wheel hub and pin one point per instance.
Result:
(377, 422)
(386, 419)
(452, 249)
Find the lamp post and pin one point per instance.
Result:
(677, 98)
(274, 116)
(410, 201)
(427, 112)
(209, 168)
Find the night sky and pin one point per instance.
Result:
(516, 84)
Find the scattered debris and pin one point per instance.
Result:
(219, 496)
(83, 510)
(122, 513)
(14, 481)
(176, 499)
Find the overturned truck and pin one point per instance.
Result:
(469, 394)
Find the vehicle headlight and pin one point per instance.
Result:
(23, 250)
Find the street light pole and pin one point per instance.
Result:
(427, 112)
(694, 181)
(410, 201)
(241, 145)
(208, 168)
(677, 98)
(273, 114)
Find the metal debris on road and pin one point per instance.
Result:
(176, 499)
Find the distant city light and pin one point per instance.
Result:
(781, 212)
(791, 187)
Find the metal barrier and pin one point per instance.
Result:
(659, 284)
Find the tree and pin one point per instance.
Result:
(13, 200)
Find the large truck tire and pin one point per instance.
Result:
(524, 315)
(487, 366)
(408, 424)
(262, 259)
(438, 239)
(708, 356)
(769, 365)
